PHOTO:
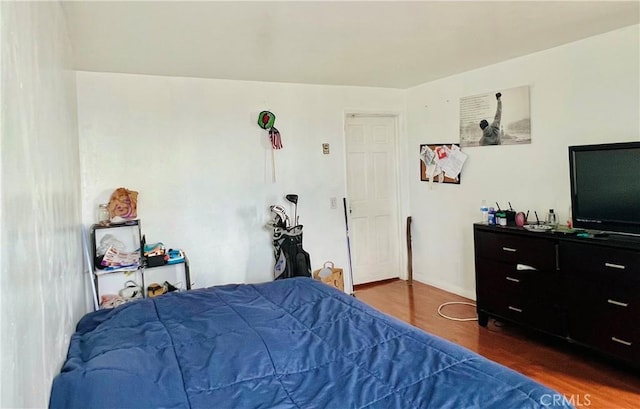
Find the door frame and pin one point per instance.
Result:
(402, 190)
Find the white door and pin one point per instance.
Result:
(372, 197)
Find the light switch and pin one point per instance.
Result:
(325, 148)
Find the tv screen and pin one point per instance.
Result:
(605, 186)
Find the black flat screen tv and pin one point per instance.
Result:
(605, 187)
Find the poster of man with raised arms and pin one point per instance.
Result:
(501, 117)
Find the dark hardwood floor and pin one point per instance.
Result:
(586, 379)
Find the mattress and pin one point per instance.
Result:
(293, 343)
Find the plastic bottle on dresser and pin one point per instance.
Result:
(485, 212)
(552, 219)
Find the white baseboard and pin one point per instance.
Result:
(463, 292)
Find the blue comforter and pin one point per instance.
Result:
(294, 343)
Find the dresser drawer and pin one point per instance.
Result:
(506, 306)
(494, 279)
(606, 316)
(497, 280)
(539, 253)
(611, 333)
(548, 317)
(526, 296)
(605, 303)
(599, 262)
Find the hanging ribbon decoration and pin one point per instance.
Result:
(266, 120)
(274, 135)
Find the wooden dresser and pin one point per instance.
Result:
(585, 290)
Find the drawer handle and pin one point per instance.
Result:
(515, 280)
(519, 310)
(620, 341)
(614, 302)
(618, 266)
(509, 249)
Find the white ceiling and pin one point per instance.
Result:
(382, 44)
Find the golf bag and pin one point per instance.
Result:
(291, 259)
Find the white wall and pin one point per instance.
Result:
(193, 150)
(41, 284)
(583, 92)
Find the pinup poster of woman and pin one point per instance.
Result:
(501, 117)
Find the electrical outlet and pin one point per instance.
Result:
(334, 202)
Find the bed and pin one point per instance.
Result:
(294, 343)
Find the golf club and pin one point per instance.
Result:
(281, 216)
(294, 199)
